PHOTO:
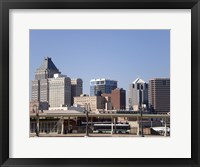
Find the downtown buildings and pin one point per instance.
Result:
(54, 88)
(116, 100)
(60, 90)
(154, 96)
(40, 86)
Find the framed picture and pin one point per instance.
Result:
(30, 134)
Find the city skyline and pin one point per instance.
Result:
(115, 55)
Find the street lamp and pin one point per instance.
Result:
(141, 107)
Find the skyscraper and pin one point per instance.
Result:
(138, 94)
(59, 91)
(40, 86)
(98, 86)
(76, 88)
(159, 94)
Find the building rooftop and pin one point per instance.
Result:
(138, 80)
(48, 65)
(102, 79)
(160, 78)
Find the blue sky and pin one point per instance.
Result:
(121, 55)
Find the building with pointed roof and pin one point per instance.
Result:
(53, 87)
(138, 94)
(40, 86)
(46, 70)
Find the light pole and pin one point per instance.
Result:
(141, 109)
(86, 110)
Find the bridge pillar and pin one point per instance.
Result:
(38, 126)
(138, 128)
(115, 124)
(111, 125)
(91, 122)
(68, 124)
(165, 126)
(62, 125)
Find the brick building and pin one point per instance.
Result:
(115, 100)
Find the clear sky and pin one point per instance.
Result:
(121, 55)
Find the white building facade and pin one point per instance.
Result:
(138, 94)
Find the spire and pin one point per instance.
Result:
(48, 64)
(46, 70)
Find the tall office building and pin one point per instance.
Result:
(76, 88)
(59, 91)
(98, 86)
(159, 94)
(40, 86)
(138, 94)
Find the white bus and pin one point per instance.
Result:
(106, 128)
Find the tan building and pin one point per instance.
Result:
(94, 102)
(59, 91)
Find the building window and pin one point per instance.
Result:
(138, 86)
(164, 82)
(133, 85)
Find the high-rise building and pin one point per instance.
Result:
(59, 91)
(76, 88)
(159, 94)
(40, 86)
(138, 94)
(98, 86)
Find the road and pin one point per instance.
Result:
(92, 135)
